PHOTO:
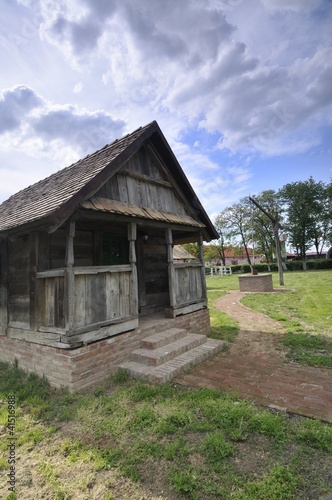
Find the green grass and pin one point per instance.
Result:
(223, 282)
(222, 326)
(303, 308)
(125, 436)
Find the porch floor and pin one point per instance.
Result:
(150, 321)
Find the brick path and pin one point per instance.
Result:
(256, 368)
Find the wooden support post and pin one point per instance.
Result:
(43, 263)
(171, 270)
(132, 235)
(200, 256)
(275, 226)
(69, 278)
(3, 284)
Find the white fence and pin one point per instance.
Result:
(219, 271)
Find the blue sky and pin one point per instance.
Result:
(241, 89)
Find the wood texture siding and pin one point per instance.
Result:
(19, 283)
(141, 182)
(102, 295)
(152, 274)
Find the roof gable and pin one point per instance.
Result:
(51, 201)
(143, 181)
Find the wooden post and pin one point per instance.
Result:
(200, 256)
(275, 226)
(171, 270)
(69, 278)
(3, 284)
(132, 235)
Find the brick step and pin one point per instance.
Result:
(163, 338)
(156, 357)
(172, 368)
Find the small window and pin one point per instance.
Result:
(115, 250)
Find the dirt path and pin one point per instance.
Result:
(256, 368)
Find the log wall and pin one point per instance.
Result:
(19, 282)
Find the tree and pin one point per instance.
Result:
(274, 218)
(235, 220)
(323, 217)
(192, 248)
(262, 231)
(304, 202)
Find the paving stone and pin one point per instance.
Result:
(257, 369)
(174, 367)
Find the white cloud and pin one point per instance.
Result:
(30, 123)
(255, 73)
(15, 104)
(292, 5)
(78, 88)
(188, 59)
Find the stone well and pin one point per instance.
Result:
(256, 283)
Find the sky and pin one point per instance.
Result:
(242, 89)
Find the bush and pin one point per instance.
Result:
(292, 265)
(297, 265)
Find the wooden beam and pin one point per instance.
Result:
(70, 278)
(132, 235)
(145, 178)
(171, 271)
(200, 256)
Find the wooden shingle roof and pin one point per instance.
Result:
(51, 201)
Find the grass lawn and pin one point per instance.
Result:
(304, 309)
(130, 440)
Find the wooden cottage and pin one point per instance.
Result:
(87, 260)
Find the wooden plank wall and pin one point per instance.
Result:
(3, 283)
(141, 182)
(152, 274)
(102, 297)
(188, 284)
(19, 282)
(51, 302)
(83, 248)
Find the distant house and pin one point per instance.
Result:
(235, 255)
(180, 254)
(87, 255)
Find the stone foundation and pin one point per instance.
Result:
(91, 364)
(256, 283)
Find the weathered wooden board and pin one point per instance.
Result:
(188, 284)
(3, 283)
(102, 297)
(19, 282)
(142, 182)
(152, 274)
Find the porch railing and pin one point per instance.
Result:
(102, 295)
(188, 283)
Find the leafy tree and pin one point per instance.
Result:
(236, 223)
(192, 248)
(304, 202)
(212, 252)
(323, 218)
